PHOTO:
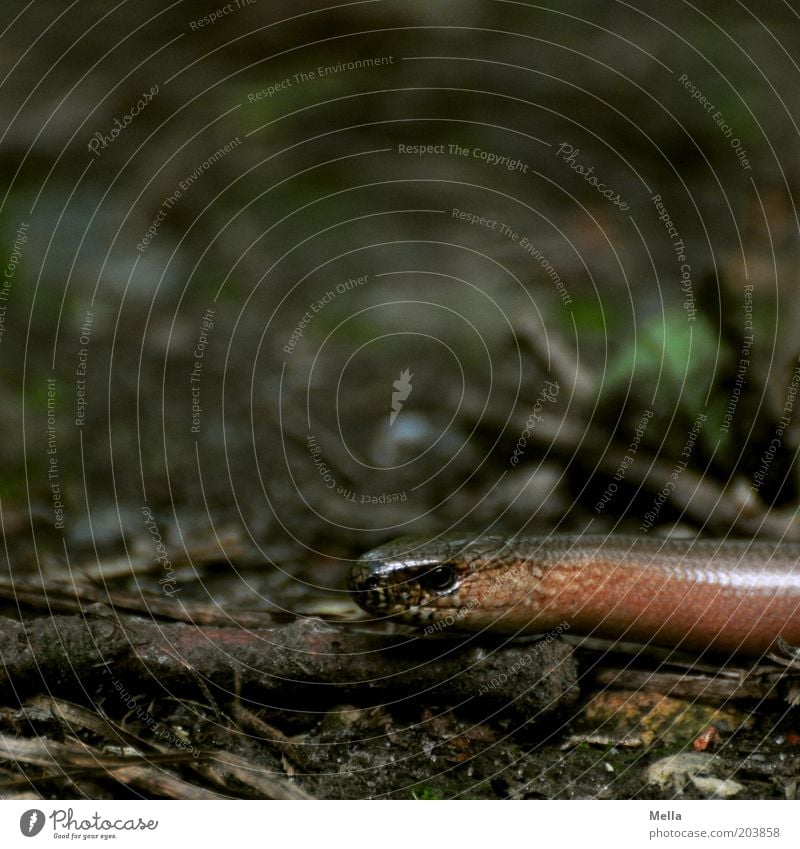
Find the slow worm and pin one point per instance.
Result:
(728, 596)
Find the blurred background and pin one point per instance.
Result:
(283, 281)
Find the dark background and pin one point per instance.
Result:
(316, 193)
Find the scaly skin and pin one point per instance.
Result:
(728, 596)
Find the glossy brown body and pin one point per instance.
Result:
(729, 596)
(726, 596)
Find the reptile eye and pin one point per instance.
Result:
(441, 578)
(371, 583)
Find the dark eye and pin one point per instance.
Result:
(440, 578)
(372, 583)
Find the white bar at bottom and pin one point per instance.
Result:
(402, 825)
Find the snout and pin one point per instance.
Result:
(365, 587)
(358, 578)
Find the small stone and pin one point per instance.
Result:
(719, 788)
(676, 771)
